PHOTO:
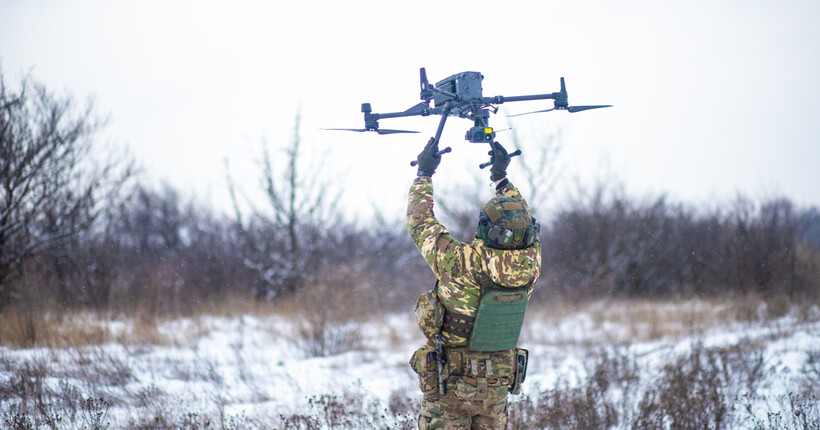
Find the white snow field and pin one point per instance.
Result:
(604, 365)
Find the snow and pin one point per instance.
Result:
(252, 366)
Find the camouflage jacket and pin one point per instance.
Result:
(458, 265)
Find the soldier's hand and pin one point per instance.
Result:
(500, 159)
(429, 158)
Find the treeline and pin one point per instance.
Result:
(80, 227)
(610, 244)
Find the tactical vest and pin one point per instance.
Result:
(498, 320)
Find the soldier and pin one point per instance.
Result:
(473, 317)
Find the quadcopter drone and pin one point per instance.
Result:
(460, 95)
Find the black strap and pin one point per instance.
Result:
(501, 184)
(458, 324)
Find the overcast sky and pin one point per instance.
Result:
(712, 98)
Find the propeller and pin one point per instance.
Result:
(377, 130)
(527, 113)
(573, 109)
(570, 109)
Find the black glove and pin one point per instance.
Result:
(500, 160)
(429, 158)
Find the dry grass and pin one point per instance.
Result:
(23, 327)
(77, 328)
(622, 321)
(595, 323)
(322, 321)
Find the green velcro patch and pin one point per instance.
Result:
(512, 206)
(493, 213)
(508, 298)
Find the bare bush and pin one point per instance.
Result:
(15, 419)
(327, 317)
(703, 388)
(102, 367)
(588, 404)
(348, 410)
(799, 412)
(691, 393)
(743, 365)
(404, 408)
(811, 372)
(27, 383)
(95, 412)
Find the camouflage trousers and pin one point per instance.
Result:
(477, 384)
(458, 410)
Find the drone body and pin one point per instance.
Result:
(466, 85)
(461, 95)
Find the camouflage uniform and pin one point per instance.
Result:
(477, 382)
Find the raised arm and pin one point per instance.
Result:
(440, 250)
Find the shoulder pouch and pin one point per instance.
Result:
(429, 313)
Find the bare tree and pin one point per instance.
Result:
(284, 238)
(52, 182)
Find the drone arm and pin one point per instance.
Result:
(502, 99)
(560, 98)
(421, 109)
(378, 116)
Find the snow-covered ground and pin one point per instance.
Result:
(254, 372)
